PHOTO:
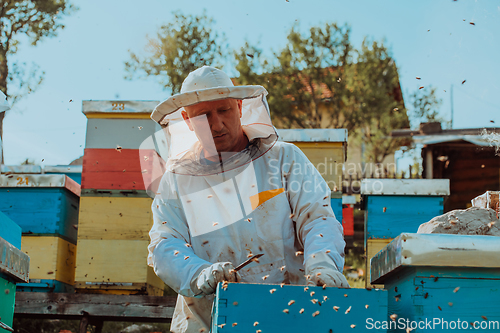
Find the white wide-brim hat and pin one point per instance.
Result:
(203, 85)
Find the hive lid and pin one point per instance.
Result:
(438, 250)
(43, 180)
(118, 107)
(20, 169)
(13, 262)
(313, 135)
(378, 186)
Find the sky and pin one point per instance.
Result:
(430, 39)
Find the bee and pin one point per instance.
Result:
(209, 196)
(352, 326)
(450, 303)
(318, 274)
(215, 223)
(421, 87)
(265, 277)
(234, 324)
(306, 288)
(188, 245)
(324, 218)
(282, 268)
(188, 201)
(249, 219)
(315, 314)
(456, 289)
(186, 257)
(440, 308)
(314, 301)
(249, 255)
(366, 306)
(327, 251)
(491, 224)
(324, 286)
(286, 311)
(164, 222)
(291, 215)
(272, 291)
(282, 284)
(320, 235)
(417, 78)
(256, 323)
(393, 316)
(385, 209)
(325, 298)
(202, 330)
(255, 260)
(465, 80)
(291, 302)
(312, 293)
(204, 243)
(298, 253)
(221, 325)
(348, 310)
(345, 295)
(301, 311)
(336, 308)
(235, 303)
(484, 317)
(176, 252)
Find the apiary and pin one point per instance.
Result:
(451, 280)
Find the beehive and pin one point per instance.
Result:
(442, 276)
(326, 149)
(14, 266)
(393, 206)
(244, 307)
(41, 204)
(121, 169)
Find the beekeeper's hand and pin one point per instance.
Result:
(321, 271)
(209, 277)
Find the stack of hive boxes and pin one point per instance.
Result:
(14, 266)
(121, 167)
(394, 206)
(46, 208)
(326, 149)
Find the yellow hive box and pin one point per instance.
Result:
(124, 218)
(51, 258)
(373, 246)
(325, 148)
(115, 267)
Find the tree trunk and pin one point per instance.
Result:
(4, 72)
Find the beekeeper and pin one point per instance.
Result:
(231, 190)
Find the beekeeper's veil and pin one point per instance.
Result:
(186, 154)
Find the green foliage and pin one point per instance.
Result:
(425, 105)
(179, 48)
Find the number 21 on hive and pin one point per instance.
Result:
(21, 180)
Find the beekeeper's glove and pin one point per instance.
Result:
(321, 270)
(209, 277)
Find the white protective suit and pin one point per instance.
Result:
(267, 199)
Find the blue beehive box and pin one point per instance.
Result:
(14, 266)
(244, 307)
(41, 204)
(393, 206)
(452, 281)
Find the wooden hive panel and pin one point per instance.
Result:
(373, 246)
(125, 169)
(387, 216)
(328, 158)
(115, 266)
(7, 300)
(125, 218)
(245, 307)
(51, 258)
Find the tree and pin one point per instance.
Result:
(319, 81)
(306, 77)
(36, 20)
(378, 101)
(180, 47)
(425, 105)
